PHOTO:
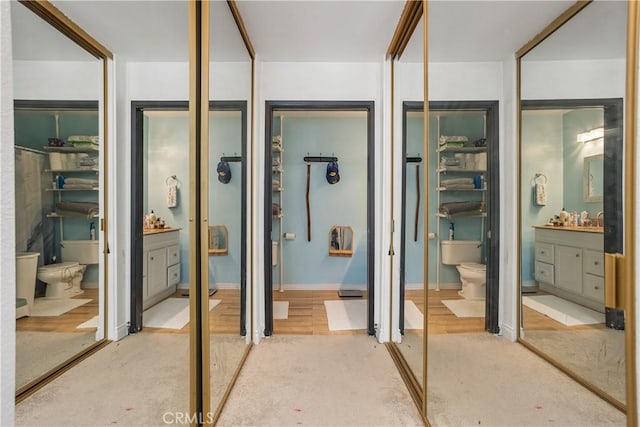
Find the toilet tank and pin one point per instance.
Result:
(82, 251)
(455, 252)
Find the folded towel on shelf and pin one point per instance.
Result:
(451, 181)
(172, 196)
(81, 140)
(79, 208)
(81, 181)
(541, 194)
(458, 207)
(458, 186)
(453, 141)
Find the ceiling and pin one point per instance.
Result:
(308, 30)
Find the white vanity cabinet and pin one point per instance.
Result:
(160, 265)
(569, 263)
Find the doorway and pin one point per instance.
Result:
(319, 210)
(465, 213)
(159, 263)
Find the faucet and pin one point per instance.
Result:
(600, 219)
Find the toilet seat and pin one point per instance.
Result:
(58, 266)
(474, 266)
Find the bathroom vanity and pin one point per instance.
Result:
(160, 264)
(569, 263)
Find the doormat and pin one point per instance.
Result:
(563, 311)
(465, 307)
(89, 324)
(51, 307)
(172, 313)
(280, 310)
(346, 315)
(413, 318)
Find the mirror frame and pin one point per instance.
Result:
(627, 278)
(53, 16)
(411, 14)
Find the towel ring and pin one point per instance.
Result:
(169, 178)
(541, 175)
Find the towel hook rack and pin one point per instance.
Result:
(169, 178)
(541, 175)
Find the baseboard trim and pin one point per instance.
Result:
(508, 332)
(321, 287)
(420, 286)
(121, 332)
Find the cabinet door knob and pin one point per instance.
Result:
(151, 258)
(596, 287)
(542, 252)
(577, 255)
(596, 263)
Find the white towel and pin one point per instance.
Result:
(541, 194)
(172, 196)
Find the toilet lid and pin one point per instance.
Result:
(59, 266)
(474, 266)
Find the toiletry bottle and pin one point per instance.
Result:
(451, 231)
(92, 231)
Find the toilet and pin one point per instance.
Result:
(465, 255)
(26, 268)
(63, 279)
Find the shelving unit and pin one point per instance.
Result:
(77, 171)
(444, 195)
(277, 173)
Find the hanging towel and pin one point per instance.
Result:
(172, 196)
(541, 194)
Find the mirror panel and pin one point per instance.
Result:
(230, 99)
(572, 90)
(58, 174)
(409, 142)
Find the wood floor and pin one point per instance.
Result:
(307, 315)
(66, 322)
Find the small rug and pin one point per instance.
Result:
(465, 307)
(563, 311)
(413, 318)
(172, 313)
(50, 307)
(89, 324)
(281, 310)
(346, 315)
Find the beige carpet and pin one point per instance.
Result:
(595, 354)
(39, 352)
(319, 381)
(483, 380)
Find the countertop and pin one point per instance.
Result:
(571, 228)
(148, 231)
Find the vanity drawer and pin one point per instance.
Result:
(544, 272)
(173, 255)
(173, 275)
(544, 252)
(593, 262)
(593, 287)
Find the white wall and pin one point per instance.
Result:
(7, 227)
(58, 80)
(315, 81)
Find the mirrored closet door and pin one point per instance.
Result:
(572, 92)
(59, 164)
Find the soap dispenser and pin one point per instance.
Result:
(92, 231)
(451, 231)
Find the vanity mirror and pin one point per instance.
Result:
(592, 178)
(572, 83)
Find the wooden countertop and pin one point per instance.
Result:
(571, 228)
(148, 231)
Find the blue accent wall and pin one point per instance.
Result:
(343, 203)
(166, 153)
